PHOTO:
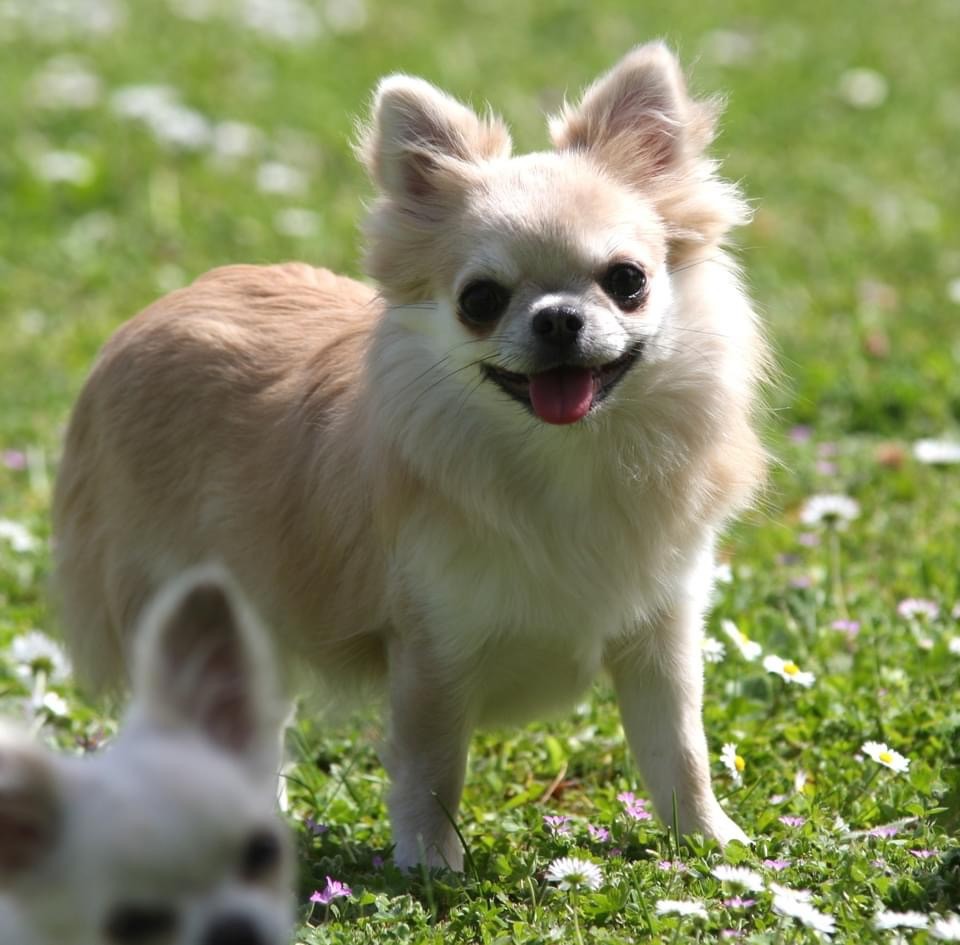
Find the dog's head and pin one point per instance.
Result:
(545, 279)
(169, 836)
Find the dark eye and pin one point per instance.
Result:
(140, 924)
(483, 302)
(260, 856)
(626, 284)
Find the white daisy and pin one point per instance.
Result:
(723, 573)
(796, 904)
(953, 645)
(233, 140)
(947, 928)
(64, 167)
(55, 704)
(713, 650)
(19, 537)
(937, 452)
(884, 920)
(748, 649)
(681, 907)
(788, 671)
(733, 762)
(65, 82)
(886, 756)
(740, 876)
(275, 177)
(159, 108)
(834, 510)
(863, 88)
(802, 895)
(35, 652)
(918, 607)
(570, 872)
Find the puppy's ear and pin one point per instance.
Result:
(640, 124)
(638, 118)
(30, 810)
(202, 663)
(420, 142)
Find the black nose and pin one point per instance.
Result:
(233, 930)
(557, 324)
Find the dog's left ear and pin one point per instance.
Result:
(638, 119)
(640, 124)
(203, 664)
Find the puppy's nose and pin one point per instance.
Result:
(557, 324)
(233, 930)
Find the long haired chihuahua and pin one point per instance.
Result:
(479, 486)
(169, 835)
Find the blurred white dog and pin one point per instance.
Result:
(169, 836)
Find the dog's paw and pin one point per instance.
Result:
(724, 830)
(411, 855)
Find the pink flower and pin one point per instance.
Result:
(850, 627)
(634, 807)
(600, 834)
(559, 824)
(776, 865)
(738, 902)
(923, 854)
(887, 830)
(673, 866)
(791, 821)
(333, 890)
(14, 459)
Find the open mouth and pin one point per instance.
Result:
(566, 393)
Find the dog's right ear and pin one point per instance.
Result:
(420, 141)
(30, 809)
(203, 664)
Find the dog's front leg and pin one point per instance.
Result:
(426, 756)
(659, 684)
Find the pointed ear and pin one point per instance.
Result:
(638, 119)
(640, 124)
(420, 142)
(30, 811)
(203, 663)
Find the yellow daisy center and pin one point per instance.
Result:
(743, 637)
(885, 757)
(739, 763)
(791, 669)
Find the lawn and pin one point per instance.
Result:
(145, 141)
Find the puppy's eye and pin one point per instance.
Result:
(260, 856)
(140, 924)
(626, 284)
(483, 302)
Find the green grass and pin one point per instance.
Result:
(855, 243)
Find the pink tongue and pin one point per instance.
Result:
(563, 395)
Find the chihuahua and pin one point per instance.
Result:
(479, 486)
(169, 835)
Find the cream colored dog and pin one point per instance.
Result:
(481, 485)
(169, 836)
